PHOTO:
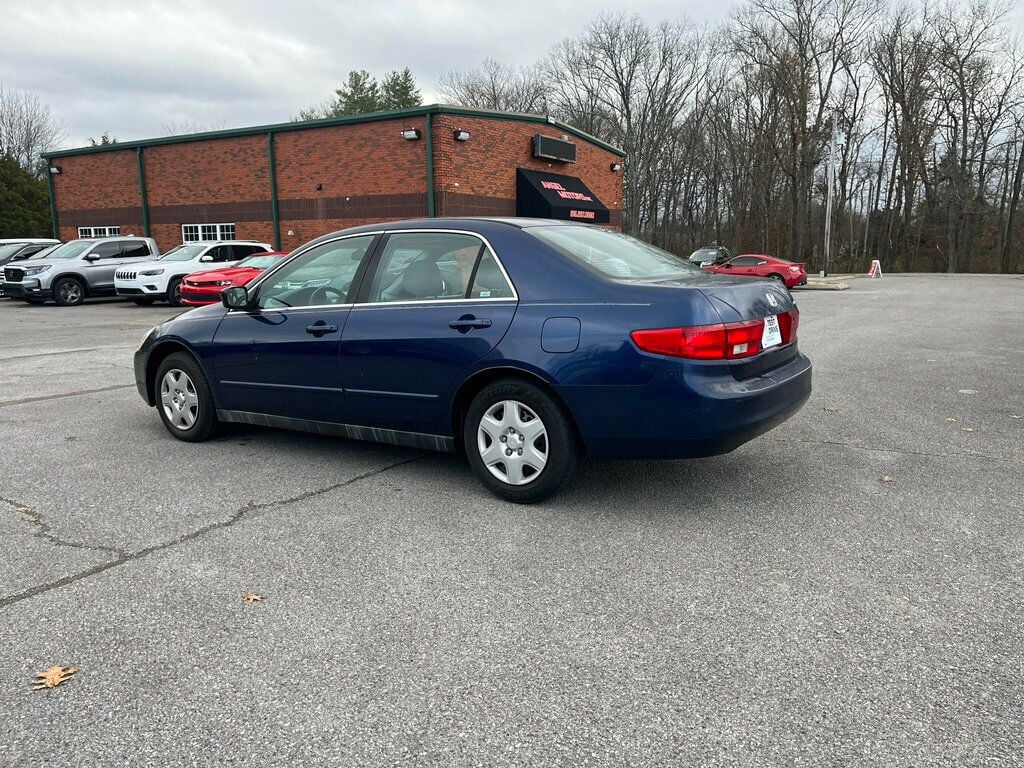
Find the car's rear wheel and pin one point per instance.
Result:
(142, 302)
(174, 293)
(183, 399)
(68, 292)
(776, 276)
(520, 441)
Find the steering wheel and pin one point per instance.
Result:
(326, 294)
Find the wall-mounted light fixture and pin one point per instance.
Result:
(56, 169)
(319, 187)
(616, 167)
(461, 135)
(411, 134)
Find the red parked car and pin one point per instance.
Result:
(202, 288)
(762, 265)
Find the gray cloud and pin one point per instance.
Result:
(132, 67)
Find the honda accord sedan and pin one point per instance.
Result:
(526, 344)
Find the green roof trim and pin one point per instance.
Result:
(370, 117)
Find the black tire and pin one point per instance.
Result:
(174, 293)
(143, 302)
(560, 443)
(68, 292)
(776, 276)
(205, 424)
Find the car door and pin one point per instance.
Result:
(281, 356)
(101, 263)
(432, 303)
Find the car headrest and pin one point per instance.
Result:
(423, 280)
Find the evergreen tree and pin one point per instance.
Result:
(399, 91)
(24, 202)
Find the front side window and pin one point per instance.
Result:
(107, 250)
(744, 261)
(425, 266)
(613, 254)
(321, 276)
(99, 231)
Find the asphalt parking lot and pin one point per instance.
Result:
(781, 605)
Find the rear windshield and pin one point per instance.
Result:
(613, 254)
(259, 262)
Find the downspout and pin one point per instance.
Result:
(429, 147)
(53, 202)
(275, 211)
(143, 192)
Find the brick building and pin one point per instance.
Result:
(286, 184)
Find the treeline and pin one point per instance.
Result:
(731, 132)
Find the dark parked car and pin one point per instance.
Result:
(710, 254)
(528, 344)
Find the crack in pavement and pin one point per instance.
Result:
(904, 451)
(76, 393)
(249, 511)
(45, 531)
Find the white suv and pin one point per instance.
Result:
(161, 279)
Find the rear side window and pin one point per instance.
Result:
(426, 266)
(136, 250)
(241, 251)
(613, 254)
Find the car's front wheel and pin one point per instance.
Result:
(144, 301)
(174, 293)
(68, 292)
(520, 441)
(183, 399)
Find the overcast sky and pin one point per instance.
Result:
(132, 67)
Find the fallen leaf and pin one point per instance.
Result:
(24, 510)
(251, 597)
(885, 479)
(950, 421)
(966, 429)
(52, 677)
(831, 408)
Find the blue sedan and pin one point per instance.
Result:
(525, 344)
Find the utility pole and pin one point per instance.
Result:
(831, 182)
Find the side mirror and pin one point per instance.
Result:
(208, 257)
(92, 257)
(235, 297)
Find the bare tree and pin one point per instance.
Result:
(27, 129)
(496, 86)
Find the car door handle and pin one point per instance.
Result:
(320, 328)
(467, 323)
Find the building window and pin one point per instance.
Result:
(99, 231)
(193, 233)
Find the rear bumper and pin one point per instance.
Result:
(688, 410)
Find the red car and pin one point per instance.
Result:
(202, 288)
(762, 265)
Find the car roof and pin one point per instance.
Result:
(28, 240)
(223, 242)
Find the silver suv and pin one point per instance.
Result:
(77, 270)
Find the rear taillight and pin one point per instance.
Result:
(728, 341)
